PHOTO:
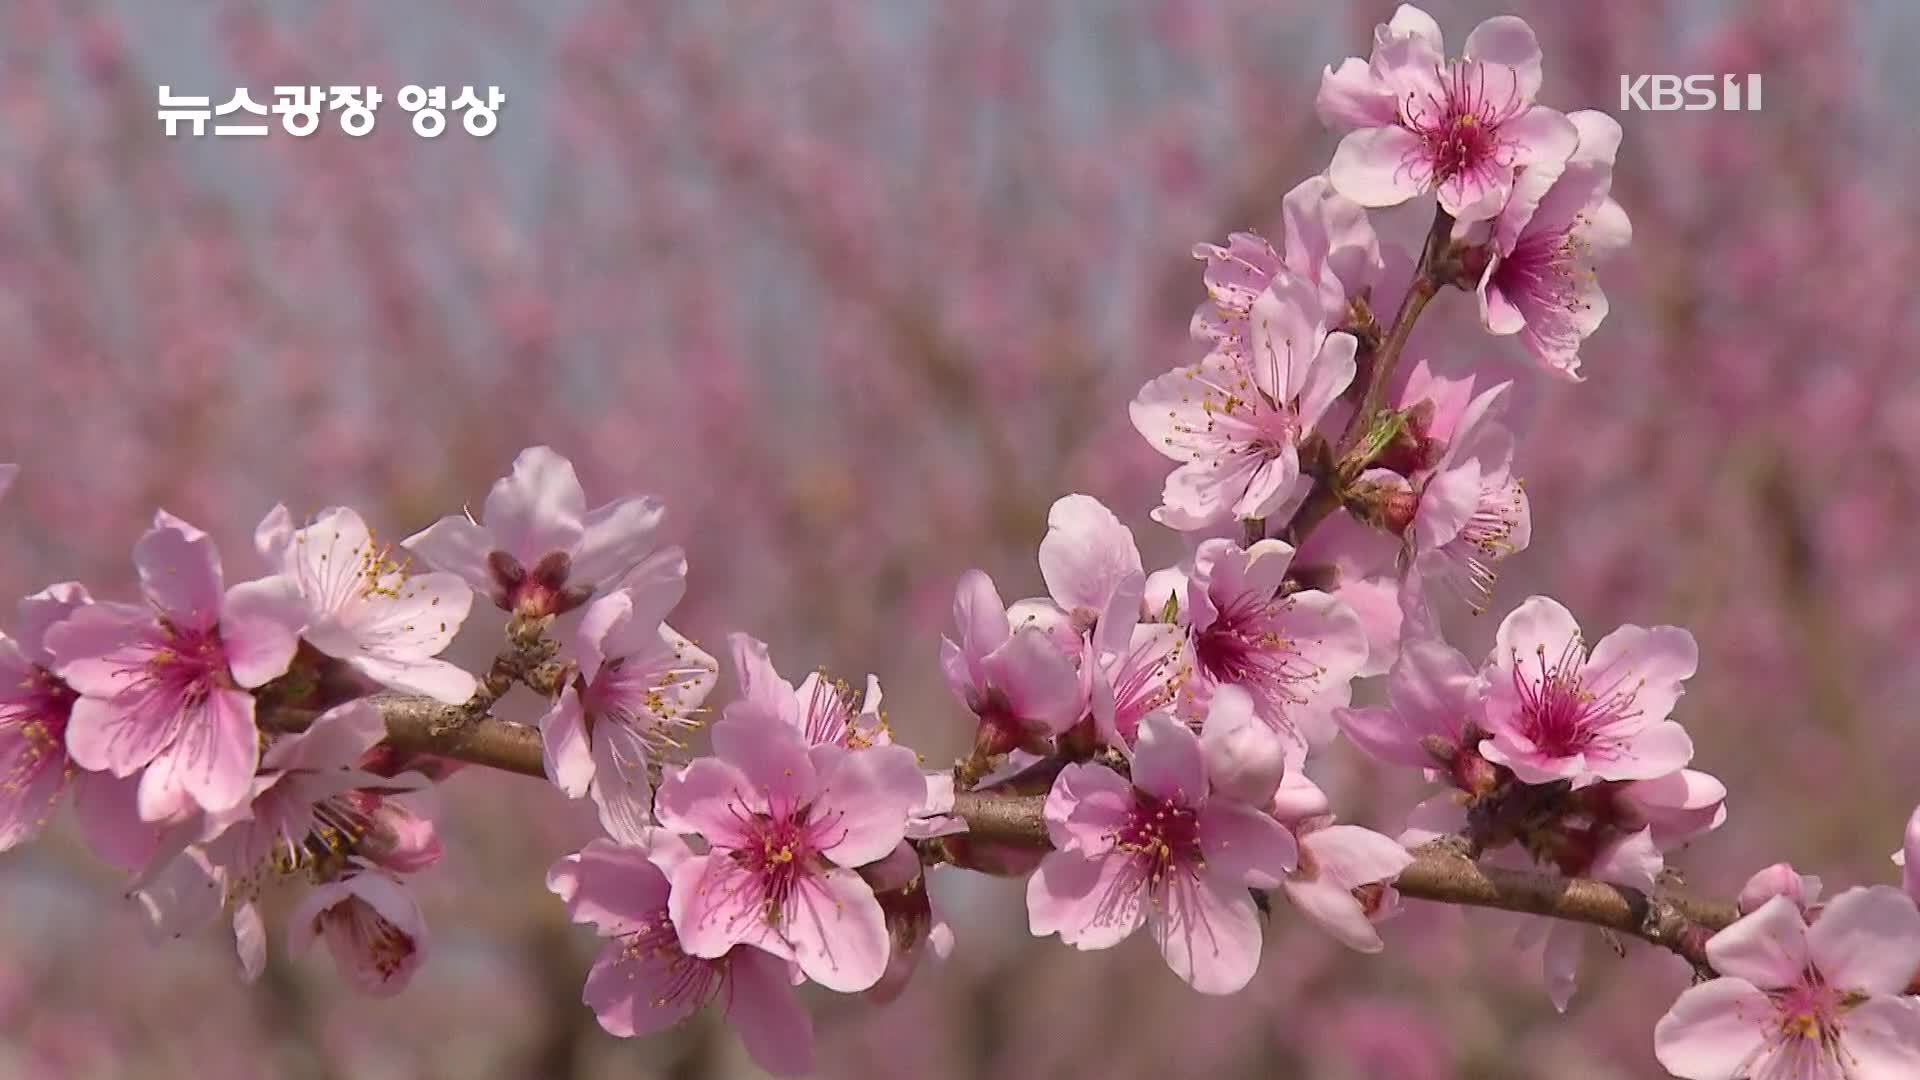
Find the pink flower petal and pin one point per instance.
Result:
(1167, 762)
(708, 797)
(866, 795)
(1371, 166)
(459, 546)
(1714, 1030)
(1209, 932)
(538, 508)
(773, 1025)
(565, 748)
(1243, 844)
(1767, 948)
(614, 539)
(1089, 902)
(612, 887)
(837, 931)
(180, 572)
(1867, 939)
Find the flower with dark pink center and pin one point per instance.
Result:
(1554, 712)
(1295, 652)
(1164, 851)
(1424, 122)
(786, 827)
(164, 688)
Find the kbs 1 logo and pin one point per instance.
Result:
(1693, 93)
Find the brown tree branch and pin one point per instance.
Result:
(1672, 921)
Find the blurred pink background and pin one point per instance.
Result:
(860, 288)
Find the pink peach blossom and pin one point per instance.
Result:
(1017, 682)
(367, 609)
(1159, 851)
(1461, 126)
(1555, 713)
(786, 828)
(1821, 1002)
(1547, 240)
(1296, 653)
(640, 683)
(163, 688)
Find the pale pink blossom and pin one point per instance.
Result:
(372, 926)
(1296, 653)
(1677, 806)
(1820, 1002)
(1235, 423)
(644, 982)
(1555, 713)
(1461, 126)
(1547, 242)
(1017, 682)
(538, 549)
(639, 686)
(365, 607)
(786, 828)
(1159, 851)
(1141, 677)
(163, 688)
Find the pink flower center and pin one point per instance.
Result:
(1245, 645)
(829, 713)
(643, 698)
(1809, 1020)
(687, 982)
(1459, 127)
(33, 725)
(1163, 837)
(184, 667)
(1484, 540)
(781, 852)
(1559, 714)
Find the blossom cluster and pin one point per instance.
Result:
(1336, 499)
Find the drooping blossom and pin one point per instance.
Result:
(1422, 122)
(372, 925)
(312, 811)
(538, 549)
(1819, 1002)
(366, 608)
(1235, 424)
(1329, 243)
(1555, 713)
(786, 829)
(643, 981)
(1295, 653)
(163, 688)
(1018, 683)
(34, 708)
(1161, 850)
(640, 683)
(1548, 240)
(1336, 860)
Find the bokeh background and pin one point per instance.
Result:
(860, 288)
